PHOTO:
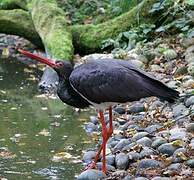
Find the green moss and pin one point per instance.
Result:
(50, 23)
(12, 4)
(18, 22)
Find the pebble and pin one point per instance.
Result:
(176, 157)
(158, 141)
(128, 147)
(110, 160)
(190, 127)
(122, 143)
(90, 127)
(160, 178)
(141, 178)
(179, 110)
(147, 152)
(167, 148)
(170, 54)
(177, 133)
(153, 128)
(133, 156)
(136, 108)
(109, 167)
(149, 163)
(189, 101)
(156, 68)
(89, 156)
(122, 161)
(175, 167)
(119, 110)
(91, 174)
(139, 135)
(192, 144)
(190, 163)
(137, 63)
(128, 177)
(94, 119)
(145, 141)
(190, 69)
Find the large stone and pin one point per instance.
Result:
(139, 136)
(167, 149)
(122, 161)
(149, 163)
(145, 141)
(158, 141)
(91, 174)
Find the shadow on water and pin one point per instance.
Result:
(33, 130)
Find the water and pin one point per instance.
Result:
(40, 138)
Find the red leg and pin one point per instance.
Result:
(104, 140)
(109, 133)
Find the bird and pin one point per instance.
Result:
(102, 84)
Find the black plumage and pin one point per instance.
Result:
(117, 81)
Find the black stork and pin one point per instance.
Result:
(103, 83)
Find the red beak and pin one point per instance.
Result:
(38, 58)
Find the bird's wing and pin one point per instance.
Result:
(106, 81)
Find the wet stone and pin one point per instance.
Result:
(109, 167)
(110, 159)
(128, 177)
(190, 127)
(149, 163)
(177, 133)
(122, 143)
(128, 147)
(141, 178)
(133, 156)
(147, 152)
(189, 101)
(122, 161)
(190, 163)
(179, 110)
(137, 107)
(167, 149)
(139, 136)
(90, 127)
(91, 174)
(175, 167)
(145, 141)
(120, 110)
(94, 119)
(89, 156)
(153, 128)
(158, 141)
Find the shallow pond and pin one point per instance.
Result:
(40, 138)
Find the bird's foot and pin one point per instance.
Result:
(92, 165)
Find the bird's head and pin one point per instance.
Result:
(63, 68)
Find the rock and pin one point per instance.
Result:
(160, 178)
(91, 174)
(192, 144)
(141, 178)
(128, 147)
(179, 155)
(149, 163)
(189, 101)
(142, 58)
(190, 163)
(119, 110)
(128, 177)
(94, 119)
(122, 161)
(188, 83)
(122, 143)
(120, 173)
(190, 127)
(177, 133)
(156, 68)
(109, 167)
(175, 167)
(139, 136)
(179, 110)
(167, 148)
(181, 71)
(147, 152)
(89, 156)
(137, 63)
(173, 84)
(133, 156)
(110, 160)
(190, 69)
(170, 54)
(145, 141)
(156, 104)
(90, 127)
(135, 108)
(112, 142)
(151, 129)
(158, 141)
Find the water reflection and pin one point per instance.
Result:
(39, 137)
